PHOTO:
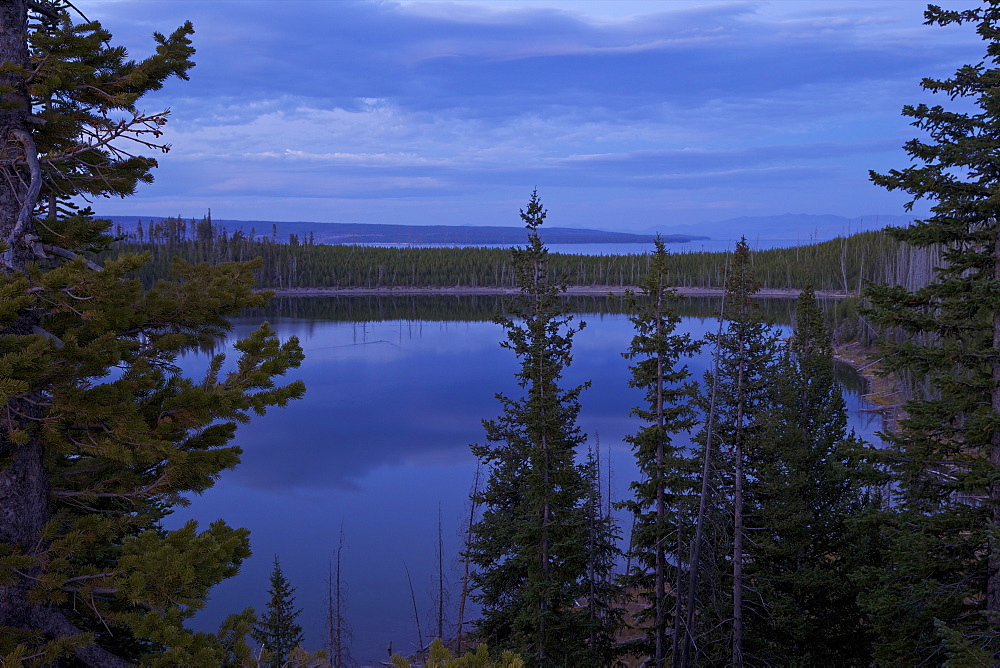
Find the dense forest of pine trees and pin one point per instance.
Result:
(773, 537)
(841, 265)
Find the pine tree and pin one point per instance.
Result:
(278, 632)
(101, 433)
(531, 545)
(943, 582)
(746, 351)
(809, 479)
(663, 496)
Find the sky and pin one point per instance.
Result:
(624, 114)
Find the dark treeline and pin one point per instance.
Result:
(484, 308)
(843, 264)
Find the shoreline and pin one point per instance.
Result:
(571, 291)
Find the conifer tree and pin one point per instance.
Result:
(941, 591)
(278, 632)
(101, 433)
(662, 505)
(531, 546)
(746, 351)
(810, 478)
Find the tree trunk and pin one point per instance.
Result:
(993, 583)
(694, 564)
(24, 505)
(24, 487)
(660, 593)
(15, 107)
(737, 659)
(465, 566)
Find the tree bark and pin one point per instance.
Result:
(695, 561)
(24, 488)
(24, 507)
(660, 593)
(737, 659)
(993, 582)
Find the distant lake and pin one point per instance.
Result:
(396, 391)
(702, 245)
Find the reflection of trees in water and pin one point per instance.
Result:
(472, 308)
(852, 382)
(368, 308)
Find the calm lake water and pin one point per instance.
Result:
(698, 246)
(396, 391)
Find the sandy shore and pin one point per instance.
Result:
(573, 290)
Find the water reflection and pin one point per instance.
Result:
(381, 441)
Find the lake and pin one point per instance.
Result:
(697, 246)
(396, 391)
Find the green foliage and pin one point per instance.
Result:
(737, 396)
(441, 657)
(278, 632)
(837, 265)
(808, 478)
(941, 581)
(101, 433)
(86, 91)
(532, 546)
(662, 505)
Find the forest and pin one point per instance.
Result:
(841, 265)
(777, 538)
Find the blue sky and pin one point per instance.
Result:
(624, 114)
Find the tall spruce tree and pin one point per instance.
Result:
(101, 433)
(533, 547)
(278, 632)
(663, 498)
(746, 354)
(810, 478)
(940, 595)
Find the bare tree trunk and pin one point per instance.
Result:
(695, 563)
(337, 631)
(659, 575)
(465, 573)
(416, 615)
(440, 592)
(675, 645)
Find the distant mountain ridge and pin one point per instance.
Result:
(374, 233)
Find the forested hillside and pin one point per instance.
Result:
(838, 265)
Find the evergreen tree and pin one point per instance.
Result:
(663, 496)
(940, 595)
(277, 631)
(810, 478)
(740, 383)
(101, 434)
(531, 546)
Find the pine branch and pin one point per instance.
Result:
(70, 255)
(30, 197)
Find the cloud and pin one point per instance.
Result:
(326, 107)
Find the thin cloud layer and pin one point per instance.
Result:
(451, 112)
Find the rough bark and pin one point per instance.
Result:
(993, 583)
(24, 507)
(24, 489)
(15, 107)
